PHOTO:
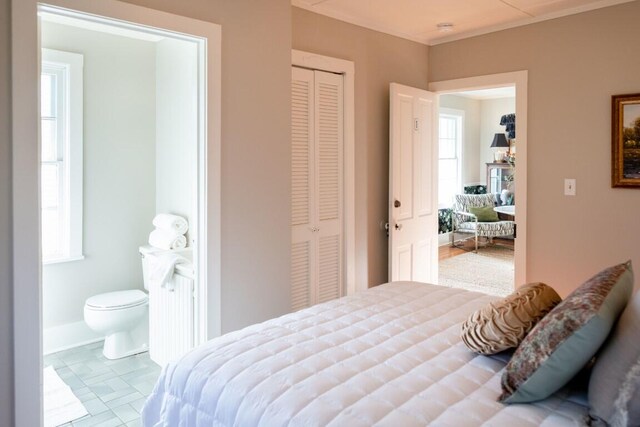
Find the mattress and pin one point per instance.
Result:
(389, 356)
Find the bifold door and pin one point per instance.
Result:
(317, 123)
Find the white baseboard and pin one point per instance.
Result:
(443, 239)
(69, 335)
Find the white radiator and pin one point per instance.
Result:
(171, 319)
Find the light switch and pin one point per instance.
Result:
(569, 187)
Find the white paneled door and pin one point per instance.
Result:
(413, 201)
(317, 127)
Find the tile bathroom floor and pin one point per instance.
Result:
(112, 391)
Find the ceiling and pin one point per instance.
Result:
(417, 20)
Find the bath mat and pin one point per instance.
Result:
(60, 404)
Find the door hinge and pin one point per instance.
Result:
(415, 124)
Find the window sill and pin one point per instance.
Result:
(63, 260)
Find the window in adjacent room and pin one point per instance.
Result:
(450, 147)
(61, 95)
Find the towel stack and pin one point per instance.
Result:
(169, 232)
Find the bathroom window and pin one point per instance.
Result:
(61, 94)
(450, 148)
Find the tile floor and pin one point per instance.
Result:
(112, 391)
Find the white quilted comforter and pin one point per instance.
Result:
(389, 356)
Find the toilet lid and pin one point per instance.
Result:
(120, 299)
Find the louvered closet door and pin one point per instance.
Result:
(302, 187)
(316, 187)
(328, 153)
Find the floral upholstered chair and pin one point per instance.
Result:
(465, 221)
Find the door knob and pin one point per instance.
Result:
(397, 204)
(398, 227)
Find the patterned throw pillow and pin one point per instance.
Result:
(568, 337)
(504, 324)
(614, 387)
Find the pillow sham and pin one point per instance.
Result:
(614, 386)
(503, 324)
(485, 214)
(568, 337)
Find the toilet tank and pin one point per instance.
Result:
(147, 252)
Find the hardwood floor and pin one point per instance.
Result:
(446, 251)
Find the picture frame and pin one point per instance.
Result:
(625, 140)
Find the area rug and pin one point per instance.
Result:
(60, 404)
(490, 271)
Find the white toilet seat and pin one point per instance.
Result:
(117, 300)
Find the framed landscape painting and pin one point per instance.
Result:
(625, 140)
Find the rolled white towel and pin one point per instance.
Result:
(173, 223)
(163, 239)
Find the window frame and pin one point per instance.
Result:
(68, 67)
(459, 116)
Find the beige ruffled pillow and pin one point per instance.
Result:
(504, 324)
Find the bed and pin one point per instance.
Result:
(391, 355)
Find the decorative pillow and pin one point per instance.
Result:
(504, 324)
(485, 214)
(614, 387)
(568, 337)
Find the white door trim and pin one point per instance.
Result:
(347, 69)
(27, 292)
(520, 80)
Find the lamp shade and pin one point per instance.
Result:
(499, 141)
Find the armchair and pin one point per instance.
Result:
(463, 221)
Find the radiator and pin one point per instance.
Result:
(171, 319)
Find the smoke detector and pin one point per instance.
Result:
(445, 27)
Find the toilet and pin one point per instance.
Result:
(122, 317)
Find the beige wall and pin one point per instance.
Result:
(575, 64)
(256, 48)
(379, 60)
(6, 242)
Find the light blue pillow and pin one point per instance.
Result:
(614, 387)
(566, 339)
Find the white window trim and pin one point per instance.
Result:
(460, 114)
(73, 155)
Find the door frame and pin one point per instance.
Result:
(347, 69)
(519, 79)
(27, 283)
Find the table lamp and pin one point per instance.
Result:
(499, 141)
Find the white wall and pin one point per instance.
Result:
(491, 110)
(482, 122)
(119, 170)
(471, 142)
(176, 127)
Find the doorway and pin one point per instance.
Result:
(119, 178)
(517, 81)
(205, 179)
(474, 173)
